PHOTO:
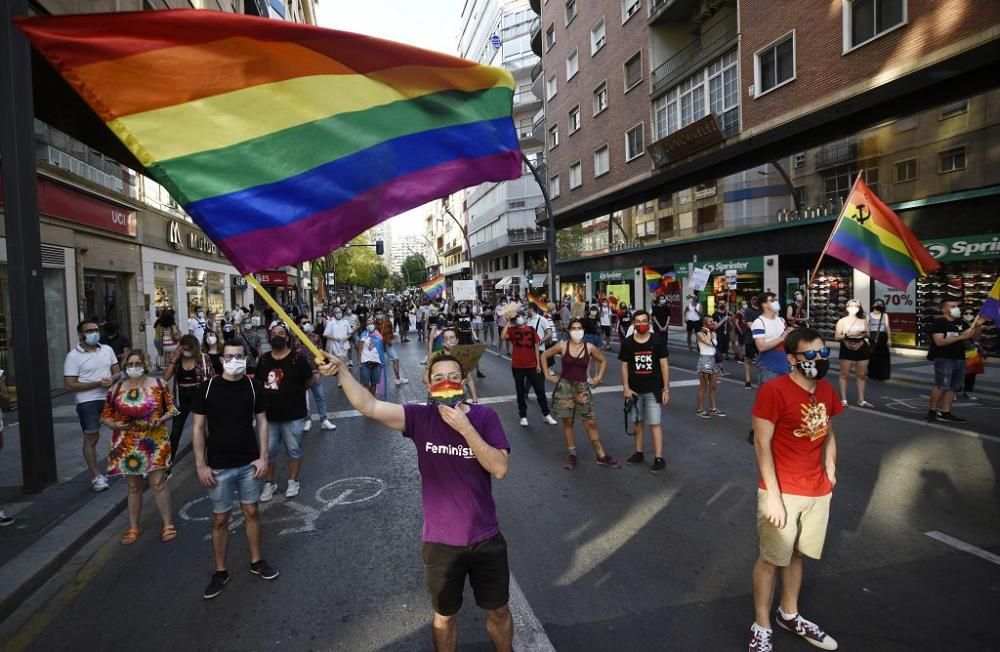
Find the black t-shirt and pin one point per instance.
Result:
(718, 317)
(662, 316)
(488, 317)
(231, 439)
(643, 359)
(464, 328)
(624, 321)
(285, 385)
(590, 325)
(952, 328)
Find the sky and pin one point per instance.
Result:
(430, 24)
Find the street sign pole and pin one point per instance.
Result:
(31, 354)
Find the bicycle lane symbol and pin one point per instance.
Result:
(346, 491)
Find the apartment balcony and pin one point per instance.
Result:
(514, 238)
(459, 268)
(537, 82)
(75, 166)
(538, 126)
(536, 36)
(834, 154)
(526, 101)
(711, 43)
(682, 11)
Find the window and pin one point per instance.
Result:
(575, 175)
(572, 64)
(906, 170)
(601, 98)
(629, 9)
(634, 143)
(570, 11)
(633, 71)
(865, 20)
(799, 193)
(952, 159)
(692, 98)
(775, 65)
(551, 87)
(953, 109)
(550, 37)
(602, 161)
(553, 136)
(799, 160)
(574, 118)
(837, 183)
(598, 37)
(554, 187)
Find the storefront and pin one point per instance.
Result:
(570, 287)
(618, 284)
(733, 279)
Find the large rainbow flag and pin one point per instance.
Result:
(433, 287)
(991, 306)
(872, 238)
(284, 141)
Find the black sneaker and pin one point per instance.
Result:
(264, 569)
(658, 465)
(948, 416)
(480, 374)
(217, 583)
(750, 437)
(636, 458)
(748, 385)
(932, 415)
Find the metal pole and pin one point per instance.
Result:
(551, 240)
(31, 353)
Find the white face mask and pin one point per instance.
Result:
(371, 328)
(576, 335)
(201, 315)
(188, 354)
(134, 372)
(852, 310)
(211, 339)
(235, 367)
(307, 328)
(955, 312)
(775, 306)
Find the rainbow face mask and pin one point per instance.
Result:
(446, 392)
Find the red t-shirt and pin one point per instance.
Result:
(800, 428)
(524, 342)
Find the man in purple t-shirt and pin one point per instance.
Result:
(459, 447)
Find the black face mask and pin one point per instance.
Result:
(278, 342)
(813, 369)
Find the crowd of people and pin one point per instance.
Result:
(251, 388)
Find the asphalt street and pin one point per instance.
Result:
(607, 559)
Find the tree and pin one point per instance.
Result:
(569, 242)
(414, 270)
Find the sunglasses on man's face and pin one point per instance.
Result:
(811, 355)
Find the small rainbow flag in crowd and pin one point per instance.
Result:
(283, 141)
(538, 302)
(870, 237)
(991, 307)
(433, 287)
(655, 280)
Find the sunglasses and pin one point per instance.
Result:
(811, 355)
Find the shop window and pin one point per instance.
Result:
(602, 161)
(866, 20)
(906, 170)
(952, 159)
(775, 65)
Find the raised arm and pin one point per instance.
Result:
(389, 415)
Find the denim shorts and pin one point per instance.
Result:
(236, 482)
(764, 374)
(90, 416)
(707, 364)
(390, 353)
(370, 375)
(289, 431)
(647, 410)
(949, 374)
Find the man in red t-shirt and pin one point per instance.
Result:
(797, 457)
(526, 366)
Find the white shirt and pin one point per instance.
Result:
(708, 349)
(236, 315)
(336, 330)
(605, 316)
(541, 325)
(368, 352)
(90, 367)
(197, 328)
(693, 313)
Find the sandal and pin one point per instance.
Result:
(843, 402)
(168, 533)
(130, 535)
(866, 404)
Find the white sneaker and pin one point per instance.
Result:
(404, 381)
(328, 425)
(549, 420)
(309, 424)
(268, 493)
(293, 489)
(100, 483)
(398, 382)
(524, 421)
(5, 520)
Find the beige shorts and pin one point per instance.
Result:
(805, 528)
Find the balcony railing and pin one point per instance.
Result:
(519, 237)
(536, 36)
(711, 39)
(836, 154)
(75, 166)
(536, 70)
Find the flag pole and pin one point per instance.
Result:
(843, 211)
(283, 316)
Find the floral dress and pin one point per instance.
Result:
(139, 449)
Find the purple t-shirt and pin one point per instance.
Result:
(456, 489)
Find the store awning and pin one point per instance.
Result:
(504, 283)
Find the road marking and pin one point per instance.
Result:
(939, 426)
(607, 389)
(964, 547)
(529, 635)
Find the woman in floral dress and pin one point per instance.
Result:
(136, 410)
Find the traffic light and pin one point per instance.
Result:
(379, 247)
